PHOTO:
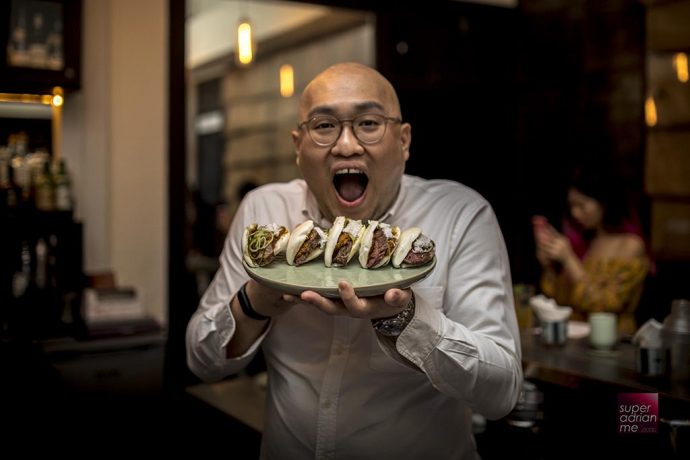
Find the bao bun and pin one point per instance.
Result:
(298, 237)
(341, 224)
(418, 246)
(391, 233)
(266, 255)
(404, 245)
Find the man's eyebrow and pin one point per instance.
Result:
(369, 105)
(321, 110)
(361, 107)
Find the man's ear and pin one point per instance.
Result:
(405, 139)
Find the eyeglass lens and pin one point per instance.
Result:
(367, 128)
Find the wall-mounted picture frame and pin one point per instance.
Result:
(40, 45)
(36, 35)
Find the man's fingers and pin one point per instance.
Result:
(357, 307)
(350, 304)
(397, 297)
(290, 298)
(322, 303)
(347, 292)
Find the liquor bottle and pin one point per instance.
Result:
(45, 298)
(10, 192)
(20, 165)
(4, 179)
(41, 275)
(22, 276)
(7, 175)
(17, 52)
(56, 59)
(63, 188)
(45, 189)
(38, 49)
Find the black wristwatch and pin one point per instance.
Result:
(394, 325)
(246, 305)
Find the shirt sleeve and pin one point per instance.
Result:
(212, 325)
(464, 334)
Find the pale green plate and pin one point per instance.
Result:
(315, 276)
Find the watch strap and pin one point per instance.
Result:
(394, 325)
(246, 305)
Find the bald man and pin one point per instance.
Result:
(362, 377)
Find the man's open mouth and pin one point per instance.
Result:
(350, 183)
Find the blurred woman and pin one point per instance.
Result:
(599, 262)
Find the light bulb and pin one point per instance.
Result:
(650, 114)
(58, 98)
(287, 80)
(245, 51)
(680, 62)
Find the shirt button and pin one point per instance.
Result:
(327, 404)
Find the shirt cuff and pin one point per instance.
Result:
(419, 339)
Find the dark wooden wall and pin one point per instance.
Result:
(457, 87)
(514, 97)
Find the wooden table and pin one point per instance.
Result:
(581, 387)
(577, 366)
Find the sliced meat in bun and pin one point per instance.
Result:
(414, 249)
(262, 243)
(378, 243)
(306, 243)
(343, 241)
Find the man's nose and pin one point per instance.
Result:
(347, 143)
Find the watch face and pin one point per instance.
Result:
(393, 327)
(390, 328)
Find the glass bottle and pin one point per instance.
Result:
(17, 53)
(10, 192)
(55, 54)
(4, 178)
(63, 188)
(38, 50)
(45, 189)
(675, 334)
(19, 164)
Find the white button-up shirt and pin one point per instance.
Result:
(338, 391)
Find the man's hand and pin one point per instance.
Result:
(389, 304)
(267, 301)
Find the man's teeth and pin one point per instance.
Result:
(349, 171)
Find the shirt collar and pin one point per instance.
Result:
(310, 209)
(389, 215)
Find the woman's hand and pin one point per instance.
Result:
(550, 243)
(555, 248)
(543, 259)
(559, 249)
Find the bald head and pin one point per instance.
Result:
(351, 177)
(349, 81)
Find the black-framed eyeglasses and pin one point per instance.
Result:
(368, 128)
